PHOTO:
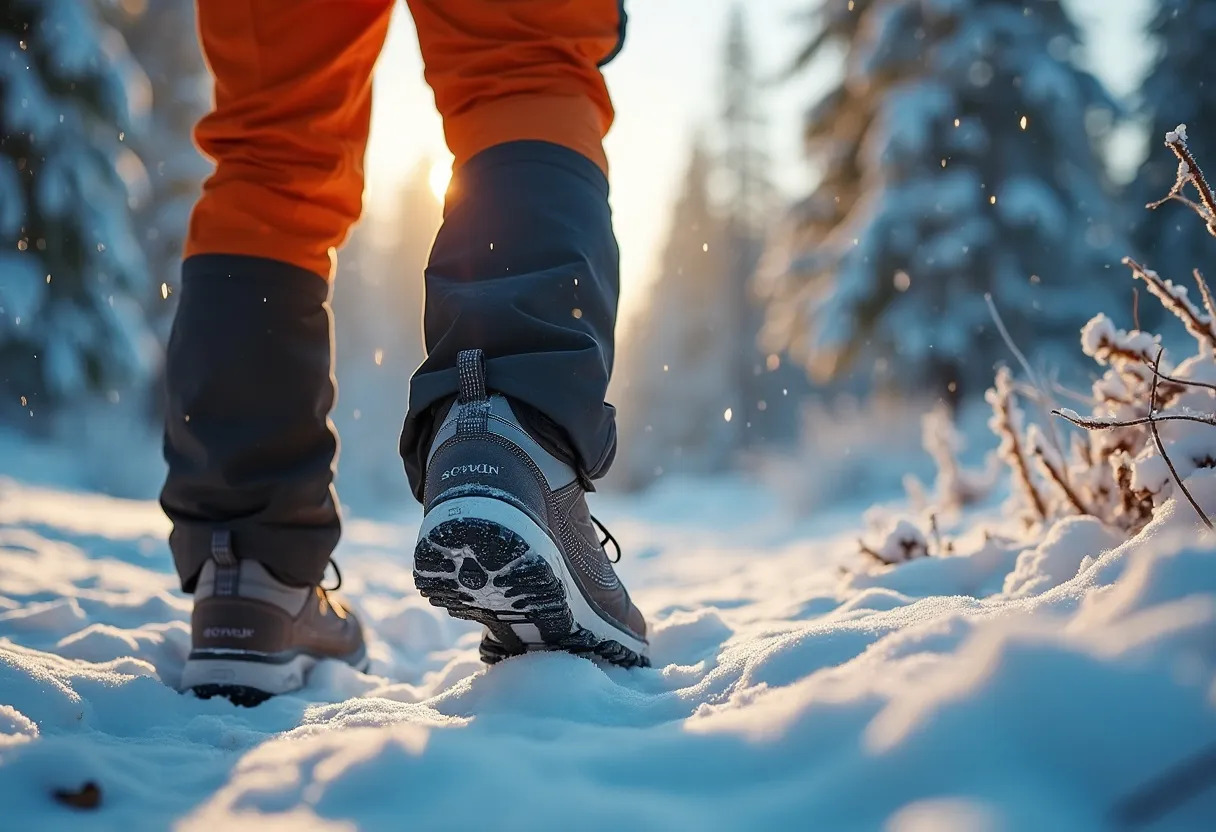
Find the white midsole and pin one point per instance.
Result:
(508, 516)
(270, 678)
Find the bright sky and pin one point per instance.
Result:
(663, 83)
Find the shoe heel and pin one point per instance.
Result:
(246, 680)
(484, 560)
(471, 562)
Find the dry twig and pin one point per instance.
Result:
(1055, 474)
(1197, 324)
(1042, 398)
(1176, 141)
(1155, 799)
(1206, 293)
(1181, 382)
(1152, 425)
(1112, 424)
(1003, 407)
(866, 550)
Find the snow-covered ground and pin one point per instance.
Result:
(1049, 689)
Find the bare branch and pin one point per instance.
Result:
(1197, 324)
(1043, 399)
(1152, 424)
(1182, 382)
(1137, 507)
(1004, 405)
(1170, 789)
(1055, 473)
(1174, 196)
(1176, 141)
(1208, 302)
(935, 534)
(1080, 398)
(1136, 307)
(866, 550)
(1009, 342)
(1112, 424)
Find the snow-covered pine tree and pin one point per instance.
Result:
(163, 38)
(833, 128)
(695, 386)
(378, 334)
(759, 384)
(674, 372)
(976, 174)
(73, 281)
(1180, 88)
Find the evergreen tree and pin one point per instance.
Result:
(695, 385)
(964, 135)
(378, 335)
(163, 39)
(675, 378)
(73, 282)
(834, 126)
(762, 410)
(1180, 89)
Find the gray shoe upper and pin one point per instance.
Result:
(239, 605)
(483, 449)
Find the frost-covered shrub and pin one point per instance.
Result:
(1145, 415)
(955, 486)
(895, 540)
(1149, 424)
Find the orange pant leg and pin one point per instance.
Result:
(289, 125)
(520, 69)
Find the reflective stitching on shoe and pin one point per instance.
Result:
(591, 568)
(592, 560)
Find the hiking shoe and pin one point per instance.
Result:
(254, 637)
(507, 539)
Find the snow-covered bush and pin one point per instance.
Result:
(1149, 419)
(1149, 424)
(955, 486)
(895, 540)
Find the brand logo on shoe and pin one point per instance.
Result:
(227, 632)
(462, 470)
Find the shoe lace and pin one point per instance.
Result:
(608, 538)
(337, 578)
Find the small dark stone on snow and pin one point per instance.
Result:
(87, 796)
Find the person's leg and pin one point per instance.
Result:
(507, 422)
(525, 266)
(248, 442)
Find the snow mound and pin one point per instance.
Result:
(1005, 686)
(1070, 543)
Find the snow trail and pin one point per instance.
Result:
(1022, 687)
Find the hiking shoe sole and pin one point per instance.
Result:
(484, 560)
(247, 678)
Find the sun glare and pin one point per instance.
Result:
(440, 176)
